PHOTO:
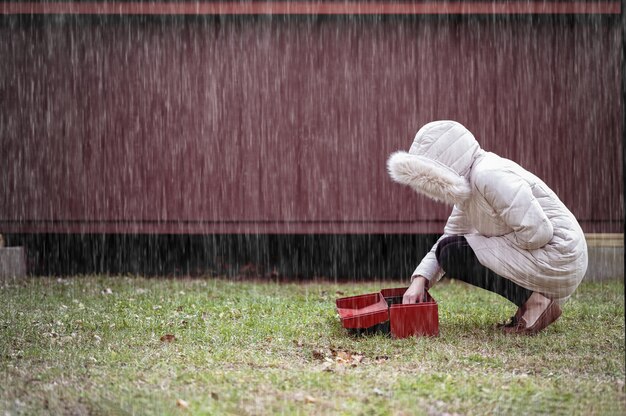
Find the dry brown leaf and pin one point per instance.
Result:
(310, 399)
(182, 404)
(343, 357)
(215, 396)
(168, 338)
(318, 355)
(340, 293)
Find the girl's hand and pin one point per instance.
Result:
(417, 291)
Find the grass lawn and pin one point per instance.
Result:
(129, 345)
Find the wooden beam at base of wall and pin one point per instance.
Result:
(605, 240)
(311, 8)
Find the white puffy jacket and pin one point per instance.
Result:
(515, 224)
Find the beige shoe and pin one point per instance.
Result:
(537, 313)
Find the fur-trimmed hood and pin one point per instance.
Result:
(438, 163)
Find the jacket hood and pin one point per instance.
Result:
(438, 163)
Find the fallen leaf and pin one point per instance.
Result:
(318, 355)
(343, 357)
(215, 396)
(340, 293)
(182, 404)
(168, 338)
(310, 399)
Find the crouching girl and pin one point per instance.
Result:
(507, 233)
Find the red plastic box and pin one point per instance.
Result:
(384, 312)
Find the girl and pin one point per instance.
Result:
(508, 232)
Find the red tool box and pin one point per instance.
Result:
(384, 312)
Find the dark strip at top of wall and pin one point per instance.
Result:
(310, 7)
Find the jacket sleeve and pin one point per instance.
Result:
(513, 201)
(457, 224)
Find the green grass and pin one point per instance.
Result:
(67, 346)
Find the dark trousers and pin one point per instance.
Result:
(458, 260)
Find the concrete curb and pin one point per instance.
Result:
(606, 256)
(12, 262)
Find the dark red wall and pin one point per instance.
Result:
(284, 124)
